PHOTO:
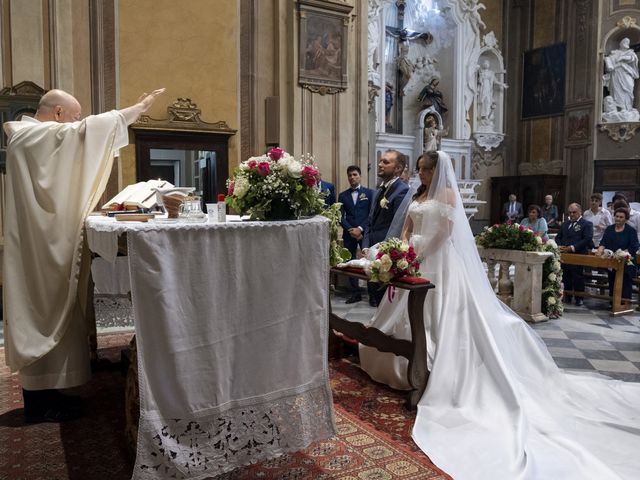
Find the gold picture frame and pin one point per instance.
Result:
(323, 45)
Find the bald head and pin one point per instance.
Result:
(58, 106)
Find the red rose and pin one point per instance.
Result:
(264, 168)
(252, 164)
(275, 153)
(230, 188)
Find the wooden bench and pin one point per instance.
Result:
(618, 306)
(414, 350)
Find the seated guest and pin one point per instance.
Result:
(624, 237)
(634, 216)
(512, 210)
(575, 236)
(600, 217)
(550, 212)
(535, 222)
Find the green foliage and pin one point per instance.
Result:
(337, 253)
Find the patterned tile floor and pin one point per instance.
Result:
(585, 338)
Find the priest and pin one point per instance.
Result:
(57, 168)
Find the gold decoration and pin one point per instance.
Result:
(626, 22)
(620, 132)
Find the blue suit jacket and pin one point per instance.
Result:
(580, 236)
(355, 215)
(380, 218)
(330, 190)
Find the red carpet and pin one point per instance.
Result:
(373, 441)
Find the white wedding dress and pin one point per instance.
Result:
(496, 405)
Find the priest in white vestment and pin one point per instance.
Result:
(57, 169)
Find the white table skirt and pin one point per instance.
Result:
(231, 324)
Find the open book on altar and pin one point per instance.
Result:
(138, 195)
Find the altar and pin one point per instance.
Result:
(231, 323)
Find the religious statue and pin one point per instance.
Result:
(472, 25)
(405, 66)
(621, 66)
(432, 134)
(611, 114)
(486, 82)
(430, 96)
(373, 39)
(388, 104)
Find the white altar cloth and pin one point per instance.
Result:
(231, 324)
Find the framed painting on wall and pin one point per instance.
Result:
(323, 45)
(543, 79)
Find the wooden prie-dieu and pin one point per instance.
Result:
(414, 350)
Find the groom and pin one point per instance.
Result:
(386, 201)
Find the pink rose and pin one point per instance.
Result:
(230, 188)
(252, 164)
(264, 168)
(275, 153)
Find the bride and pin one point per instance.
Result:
(496, 406)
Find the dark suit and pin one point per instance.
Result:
(578, 235)
(514, 217)
(379, 222)
(330, 191)
(354, 215)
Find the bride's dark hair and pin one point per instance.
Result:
(431, 160)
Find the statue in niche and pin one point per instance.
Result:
(405, 66)
(431, 96)
(388, 104)
(486, 82)
(373, 39)
(611, 114)
(472, 25)
(621, 67)
(432, 133)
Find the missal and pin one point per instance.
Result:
(139, 196)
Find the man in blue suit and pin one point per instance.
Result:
(386, 201)
(356, 204)
(330, 193)
(575, 236)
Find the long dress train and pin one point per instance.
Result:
(496, 405)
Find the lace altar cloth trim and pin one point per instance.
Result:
(202, 447)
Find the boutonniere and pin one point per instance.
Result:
(363, 196)
(577, 227)
(384, 203)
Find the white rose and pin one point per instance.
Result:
(403, 264)
(552, 277)
(385, 277)
(376, 264)
(539, 240)
(294, 168)
(404, 248)
(551, 300)
(555, 266)
(385, 263)
(240, 187)
(552, 244)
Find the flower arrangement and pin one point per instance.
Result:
(512, 236)
(619, 256)
(276, 186)
(337, 254)
(395, 259)
(552, 282)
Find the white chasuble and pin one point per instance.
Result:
(56, 173)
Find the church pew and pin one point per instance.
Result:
(592, 261)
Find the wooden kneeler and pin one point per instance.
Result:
(414, 350)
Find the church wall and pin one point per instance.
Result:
(46, 43)
(331, 127)
(191, 50)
